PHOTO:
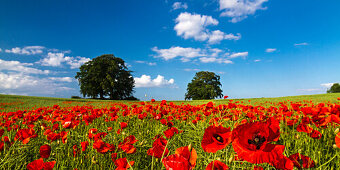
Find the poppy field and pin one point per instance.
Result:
(279, 133)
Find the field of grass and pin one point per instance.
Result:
(148, 121)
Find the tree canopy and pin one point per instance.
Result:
(105, 75)
(205, 85)
(334, 89)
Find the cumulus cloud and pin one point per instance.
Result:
(20, 67)
(28, 50)
(56, 59)
(173, 52)
(238, 10)
(76, 62)
(159, 81)
(270, 50)
(327, 85)
(23, 84)
(257, 60)
(145, 62)
(240, 54)
(195, 26)
(215, 60)
(179, 5)
(207, 55)
(62, 79)
(301, 44)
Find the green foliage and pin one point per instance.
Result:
(205, 85)
(105, 75)
(334, 89)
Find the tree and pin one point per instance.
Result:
(105, 75)
(205, 85)
(334, 89)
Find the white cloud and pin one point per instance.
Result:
(257, 60)
(61, 79)
(173, 52)
(53, 59)
(191, 69)
(270, 50)
(240, 9)
(179, 5)
(194, 26)
(23, 84)
(0, 50)
(207, 55)
(76, 62)
(148, 63)
(301, 44)
(28, 50)
(56, 59)
(215, 60)
(159, 81)
(240, 54)
(20, 67)
(327, 85)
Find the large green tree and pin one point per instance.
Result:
(105, 75)
(334, 89)
(205, 85)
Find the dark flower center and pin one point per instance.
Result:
(257, 140)
(218, 138)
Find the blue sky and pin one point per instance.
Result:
(260, 48)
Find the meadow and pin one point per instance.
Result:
(259, 133)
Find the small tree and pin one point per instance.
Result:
(334, 89)
(105, 75)
(205, 85)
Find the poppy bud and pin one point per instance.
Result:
(334, 146)
(336, 130)
(190, 147)
(94, 161)
(230, 159)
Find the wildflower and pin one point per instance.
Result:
(215, 138)
(216, 165)
(45, 151)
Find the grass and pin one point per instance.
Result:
(16, 102)
(19, 155)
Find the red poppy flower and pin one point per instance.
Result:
(127, 146)
(302, 127)
(315, 134)
(84, 145)
(337, 140)
(215, 138)
(25, 135)
(122, 164)
(170, 132)
(49, 165)
(216, 165)
(39, 164)
(258, 168)
(45, 151)
(251, 141)
(301, 161)
(103, 147)
(183, 159)
(225, 97)
(123, 125)
(2, 131)
(158, 147)
(36, 164)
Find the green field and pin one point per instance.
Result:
(16, 102)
